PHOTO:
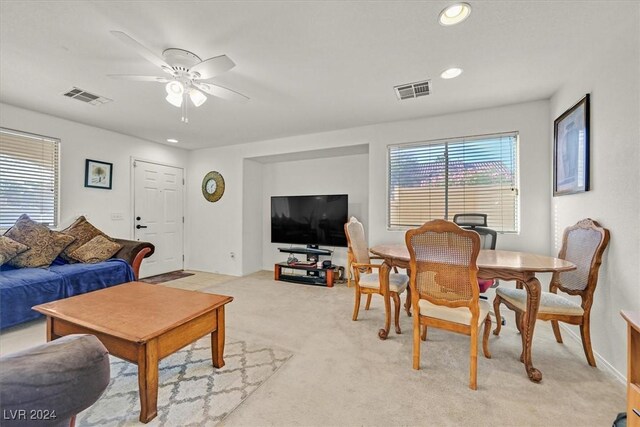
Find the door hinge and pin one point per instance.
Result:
(183, 220)
(135, 164)
(182, 257)
(182, 181)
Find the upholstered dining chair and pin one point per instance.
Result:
(367, 281)
(444, 287)
(583, 244)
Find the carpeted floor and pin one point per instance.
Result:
(191, 391)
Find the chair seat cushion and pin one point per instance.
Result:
(549, 303)
(397, 282)
(460, 315)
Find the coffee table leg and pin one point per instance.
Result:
(217, 340)
(528, 324)
(148, 380)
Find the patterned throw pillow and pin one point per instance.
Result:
(83, 231)
(95, 250)
(10, 248)
(44, 244)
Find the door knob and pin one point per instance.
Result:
(140, 226)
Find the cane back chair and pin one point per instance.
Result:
(583, 244)
(444, 287)
(367, 281)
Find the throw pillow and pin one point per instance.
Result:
(44, 244)
(95, 250)
(83, 231)
(9, 248)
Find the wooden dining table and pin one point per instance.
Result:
(492, 264)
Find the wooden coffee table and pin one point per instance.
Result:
(142, 323)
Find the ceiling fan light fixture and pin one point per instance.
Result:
(454, 14)
(198, 98)
(174, 87)
(175, 100)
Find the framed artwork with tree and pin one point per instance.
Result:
(98, 174)
(571, 150)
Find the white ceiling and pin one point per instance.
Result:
(307, 66)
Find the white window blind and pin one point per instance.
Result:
(438, 179)
(28, 177)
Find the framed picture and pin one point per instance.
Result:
(571, 150)
(98, 174)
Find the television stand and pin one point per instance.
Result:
(313, 276)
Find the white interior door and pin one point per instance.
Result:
(159, 216)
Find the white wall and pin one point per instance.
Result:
(612, 78)
(80, 142)
(215, 230)
(332, 175)
(252, 224)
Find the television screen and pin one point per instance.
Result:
(309, 220)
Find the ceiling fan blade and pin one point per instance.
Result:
(139, 78)
(221, 92)
(143, 51)
(213, 67)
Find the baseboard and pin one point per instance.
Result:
(602, 362)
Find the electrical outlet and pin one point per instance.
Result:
(117, 216)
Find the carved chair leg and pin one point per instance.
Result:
(586, 341)
(416, 341)
(407, 303)
(396, 314)
(366, 307)
(496, 310)
(518, 317)
(473, 362)
(556, 330)
(424, 333)
(357, 305)
(485, 338)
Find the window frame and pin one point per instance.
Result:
(515, 134)
(57, 171)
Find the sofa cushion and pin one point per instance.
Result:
(44, 244)
(95, 250)
(83, 231)
(9, 248)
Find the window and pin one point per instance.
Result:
(438, 179)
(28, 178)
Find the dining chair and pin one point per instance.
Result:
(488, 237)
(583, 244)
(444, 287)
(367, 281)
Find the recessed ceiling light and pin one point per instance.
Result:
(454, 14)
(451, 73)
(172, 140)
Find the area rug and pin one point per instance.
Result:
(166, 277)
(191, 391)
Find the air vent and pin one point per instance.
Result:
(413, 90)
(84, 96)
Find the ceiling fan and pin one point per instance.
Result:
(187, 73)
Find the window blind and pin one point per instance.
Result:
(28, 177)
(438, 179)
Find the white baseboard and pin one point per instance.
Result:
(602, 362)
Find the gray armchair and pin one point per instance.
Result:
(49, 384)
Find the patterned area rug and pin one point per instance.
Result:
(166, 277)
(191, 391)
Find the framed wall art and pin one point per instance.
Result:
(98, 174)
(571, 150)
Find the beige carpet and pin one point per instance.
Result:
(344, 375)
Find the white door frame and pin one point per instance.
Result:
(132, 191)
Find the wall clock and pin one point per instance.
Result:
(213, 186)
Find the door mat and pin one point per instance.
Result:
(166, 277)
(190, 390)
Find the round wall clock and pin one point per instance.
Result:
(213, 186)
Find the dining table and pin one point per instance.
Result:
(492, 264)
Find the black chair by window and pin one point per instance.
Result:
(478, 223)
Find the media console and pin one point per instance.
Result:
(313, 276)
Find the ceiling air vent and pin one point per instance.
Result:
(84, 96)
(413, 90)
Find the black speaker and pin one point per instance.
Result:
(326, 264)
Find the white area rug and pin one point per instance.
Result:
(191, 391)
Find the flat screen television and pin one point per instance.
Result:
(309, 220)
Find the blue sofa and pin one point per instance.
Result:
(22, 288)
